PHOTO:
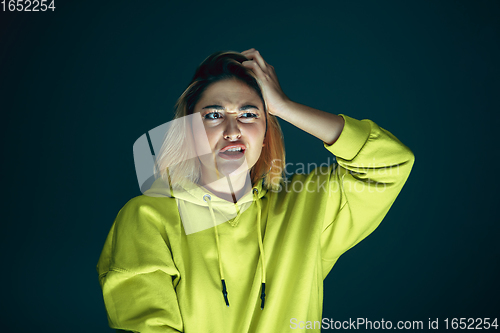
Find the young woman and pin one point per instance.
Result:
(222, 242)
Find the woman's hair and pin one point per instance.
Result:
(174, 160)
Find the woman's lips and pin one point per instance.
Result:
(234, 145)
(232, 155)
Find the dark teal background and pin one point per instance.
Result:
(79, 85)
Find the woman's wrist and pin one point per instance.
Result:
(323, 125)
(281, 108)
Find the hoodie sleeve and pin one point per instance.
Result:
(137, 273)
(373, 166)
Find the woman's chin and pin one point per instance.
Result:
(231, 168)
(223, 167)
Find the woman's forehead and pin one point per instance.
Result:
(229, 94)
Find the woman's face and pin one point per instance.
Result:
(235, 124)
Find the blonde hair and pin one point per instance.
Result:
(173, 163)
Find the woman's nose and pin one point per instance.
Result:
(232, 131)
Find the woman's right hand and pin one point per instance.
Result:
(275, 99)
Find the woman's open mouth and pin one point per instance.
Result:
(232, 152)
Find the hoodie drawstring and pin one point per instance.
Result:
(208, 199)
(261, 249)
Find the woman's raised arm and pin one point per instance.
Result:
(323, 125)
(373, 165)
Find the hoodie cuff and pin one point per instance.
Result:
(351, 139)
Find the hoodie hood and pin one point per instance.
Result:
(192, 206)
(192, 192)
(200, 209)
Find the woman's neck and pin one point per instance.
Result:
(230, 188)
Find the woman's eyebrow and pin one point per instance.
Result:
(219, 107)
(248, 106)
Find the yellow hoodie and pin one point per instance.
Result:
(156, 277)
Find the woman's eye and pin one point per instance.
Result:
(213, 115)
(250, 115)
(218, 115)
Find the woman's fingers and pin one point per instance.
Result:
(264, 72)
(248, 50)
(274, 98)
(253, 54)
(259, 66)
(254, 66)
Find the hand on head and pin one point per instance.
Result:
(274, 97)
